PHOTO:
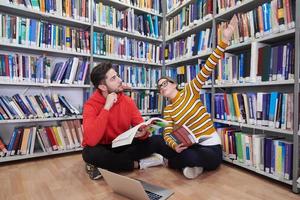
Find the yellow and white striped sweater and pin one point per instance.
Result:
(187, 109)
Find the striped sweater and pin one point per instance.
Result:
(186, 108)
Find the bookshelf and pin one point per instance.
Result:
(210, 20)
(33, 13)
(15, 121)
(76, 93)
(185, 59)
(45, 85)
(234, 162)
(16, 85)
(37, 155)
(127, 4)
(290, 85)
(107, 28)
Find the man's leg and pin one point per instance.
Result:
(120, 158)
(104, 156)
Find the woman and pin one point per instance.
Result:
(185, 108)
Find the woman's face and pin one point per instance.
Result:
(166, 88)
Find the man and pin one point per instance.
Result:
(107, 114)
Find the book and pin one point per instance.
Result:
(183, 135)
(126, 138)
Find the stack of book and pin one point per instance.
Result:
(272, 155)
(40, 69)
(22, 106)
(29, 140)
(35, 33)
(274, 110)
(78, 10)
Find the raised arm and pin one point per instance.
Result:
(197, 83)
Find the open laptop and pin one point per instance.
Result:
(134, 189)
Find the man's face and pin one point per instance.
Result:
(113, 82)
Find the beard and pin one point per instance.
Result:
(116, 90)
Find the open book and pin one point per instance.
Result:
(183, 135)
(126, 138)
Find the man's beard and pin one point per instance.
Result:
(118, 90)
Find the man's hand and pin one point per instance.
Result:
(126, 87)
(227, 33)
(110, 100)
(142, 133)
(179, 148)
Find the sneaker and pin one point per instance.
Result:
(93, 172)
(153, 160)
(192, 172)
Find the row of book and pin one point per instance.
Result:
(189, 46)
(78, 9)
(21, 68)
(71, 71)
(272, 155)
(190, 15)
(127, 20)
(263, 63)
(21, 106)
(270, 17)
(185, 73)
(223, 5)
(150, 5)
(147, 101)
(135, 76)
(173, 4)
(126, 48)
(205, 98)
(35, 33)
(30, 140)
(274, 109)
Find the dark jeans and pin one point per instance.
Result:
(120, 158)
(208, 157)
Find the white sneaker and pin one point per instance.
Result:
(192, 172)
(153, 160)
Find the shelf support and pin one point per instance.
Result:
(296, 100)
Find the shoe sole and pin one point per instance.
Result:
(95, 177)
(192, 172)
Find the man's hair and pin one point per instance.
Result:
(98, 74)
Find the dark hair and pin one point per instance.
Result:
(98, 74)
(168, 79)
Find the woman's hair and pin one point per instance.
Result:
(168, 79)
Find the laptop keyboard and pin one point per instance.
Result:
(152, 195)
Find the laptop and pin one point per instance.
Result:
(134, 189)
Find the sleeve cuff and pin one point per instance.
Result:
(223, 44)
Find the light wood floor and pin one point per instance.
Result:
(64, 177)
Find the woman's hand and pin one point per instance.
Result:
(179, 148)
(227, 33)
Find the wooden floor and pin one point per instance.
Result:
(64, 177)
